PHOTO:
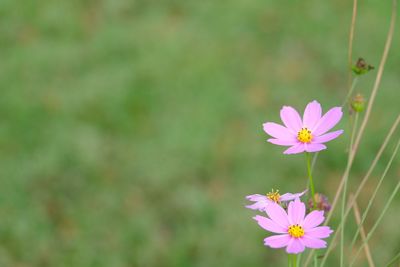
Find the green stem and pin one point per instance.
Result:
(294, 258)
(289, 260)
(314, 160)
(308, 156)
(353, 85)
(357, 193)
(299, 259)
(342, 217)
(393, 260)
(372, 198)
(378, 221)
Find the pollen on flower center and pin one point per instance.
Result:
(304, 135)
(296, 231)
(274, 196)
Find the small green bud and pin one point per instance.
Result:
(361, 67)
(358, 103)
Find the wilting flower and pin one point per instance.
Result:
(321, 203)
(295, 232)
(307, 134)
(261, 201)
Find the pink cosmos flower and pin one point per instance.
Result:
(307, 134)
(295, 232)
(261, 201)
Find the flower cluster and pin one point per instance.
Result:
(286, 214)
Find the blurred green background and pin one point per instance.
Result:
(131, 131)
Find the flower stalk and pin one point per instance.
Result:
(353, 85)
(342, 217)
(294, 258)
(311, 181)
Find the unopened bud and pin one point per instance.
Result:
(321, 203)
(361, 67)
(358, 103)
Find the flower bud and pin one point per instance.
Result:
(358, 103)
(321, 203)
(361, 67)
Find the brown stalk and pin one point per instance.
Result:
(369, 107)
(351, 37)
(365, 120)
(364, 180)
(357, 216)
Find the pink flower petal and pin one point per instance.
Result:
(261, 202)
(260, 205)
(319, 232)
(295, 246)
(312, 114)
(298, 148)
(314, 147)
(281, 142)
(328, 121)
(277, 214)
(313, 219)
(291, 119)
(278, 131)
(290, 196)
(256, 197)
(296, 211)
(269, 225)
(277, 241)
(327, 137)
(313, 242)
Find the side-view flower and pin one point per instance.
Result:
(261, 201)
(307, 134)
(294, 230)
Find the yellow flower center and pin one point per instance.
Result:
(274, 196)
(304, 135)
(296, 231)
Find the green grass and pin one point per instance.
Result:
(130, 132)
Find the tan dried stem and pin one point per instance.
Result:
(366, 117)
(357, 216)
(369, 107)
(362, 184)
(351, 37)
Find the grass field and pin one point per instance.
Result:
(130, 131)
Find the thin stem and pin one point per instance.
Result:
(345, 192)
(370, 102)
(370, 233)
(353, 85)
(368, 110)
(289, 260)
(372, 198)
(357, 216)
(361, 186)
(294, 258)
(311, 179)
(299, 259)
(314, 160)
(393, 260)
(353, 131)
(351, 37)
